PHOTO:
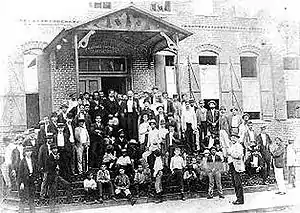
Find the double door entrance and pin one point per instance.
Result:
(91, 84)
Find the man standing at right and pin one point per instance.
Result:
(263, 141)
(236, 166)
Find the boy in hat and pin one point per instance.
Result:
(177, 165)
(81, 146)
(27, 176)
(122, 184)
(236, 166)
(214, 173)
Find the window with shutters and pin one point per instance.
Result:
(248, 66)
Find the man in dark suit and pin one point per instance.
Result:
(62, 116)
(52, 128)
(111, 105)
(97, 149)
(168, 105)
(64, 148)
(26, 179)
(131, 109)
(172, 141)
(213, 118)
(54, 179)
(255, 164)
(96, 106)
(263, 141)
(44, 152)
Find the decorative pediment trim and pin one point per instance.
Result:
(249, 48)
(209, 47)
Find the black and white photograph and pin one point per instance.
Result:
(141, 106)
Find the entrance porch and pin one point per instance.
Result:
(114, 51)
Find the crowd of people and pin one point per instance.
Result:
(125, 144)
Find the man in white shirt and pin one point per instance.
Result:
(81, 146)
(235, 121)
(189, 127)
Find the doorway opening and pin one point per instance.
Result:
(116, 83)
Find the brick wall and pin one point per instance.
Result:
(143, 75)
(63, 74)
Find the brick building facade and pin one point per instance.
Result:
(238, 61)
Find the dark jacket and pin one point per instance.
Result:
(209, 117)
(135, 107)
(175, 142)
(52, 167)
(23, 175)
(52, 128)
(264, 150)
(43, 156)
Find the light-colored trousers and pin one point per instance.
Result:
(279, 179)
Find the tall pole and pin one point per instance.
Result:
(177, 73)
(76, 62)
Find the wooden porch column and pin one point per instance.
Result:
(177, 73)
(76, 62)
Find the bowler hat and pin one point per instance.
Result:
(159, 107)
(212, 102)
(152, 121)
(245, 114)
